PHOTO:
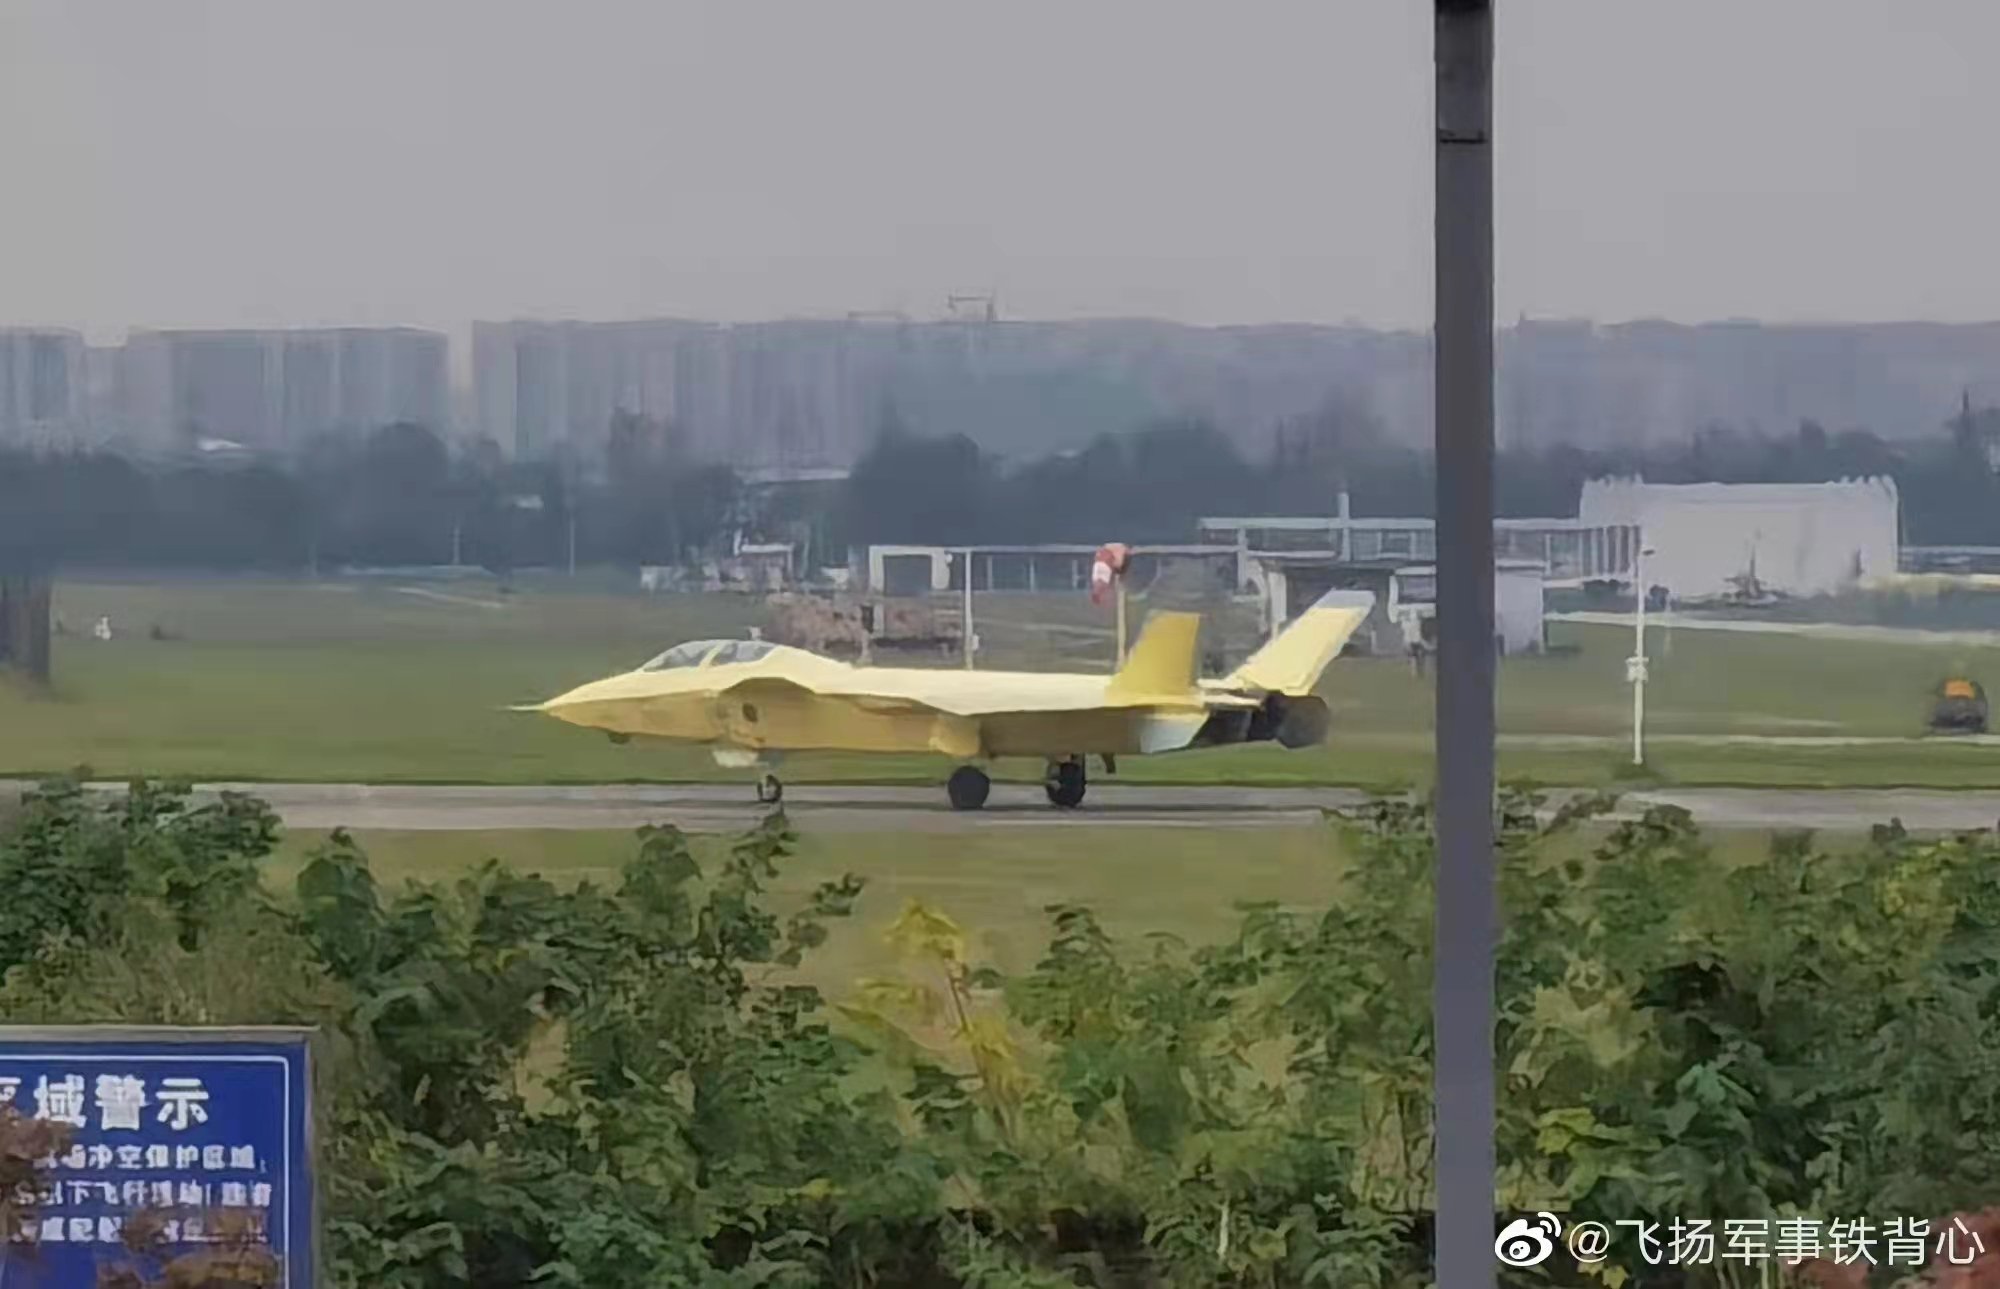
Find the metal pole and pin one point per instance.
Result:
(1638, 667)
(1467, 914)
(966, 626)
(1118, 580)
(572, 545)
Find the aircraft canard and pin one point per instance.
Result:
(763, 698)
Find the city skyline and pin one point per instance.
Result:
(817, 393)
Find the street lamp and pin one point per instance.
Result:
(1635, 666)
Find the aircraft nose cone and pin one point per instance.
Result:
(568, 706)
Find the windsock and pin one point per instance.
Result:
(1109, 564)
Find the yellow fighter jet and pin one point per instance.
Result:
(751, 699)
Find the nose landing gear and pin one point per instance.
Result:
(1065, 782)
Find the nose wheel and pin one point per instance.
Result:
(968, 787)
(1065, 783)
(769, 790)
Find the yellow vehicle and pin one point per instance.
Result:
(1960, 707)
(752, 699)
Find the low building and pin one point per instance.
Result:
(1054, 566)
(761, 566)
(1715, 540)
(1405, 596)
(1520, 617)
(1574, 551)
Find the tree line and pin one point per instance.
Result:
(401, 495)
(1155, 483)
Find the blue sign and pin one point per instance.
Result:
(196, 1138)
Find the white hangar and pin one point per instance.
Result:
(1792, 538)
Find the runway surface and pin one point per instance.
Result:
(729, 807)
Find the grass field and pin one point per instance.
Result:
(995, 885)
(338, 681)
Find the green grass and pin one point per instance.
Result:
(347, 681)
(996, 885)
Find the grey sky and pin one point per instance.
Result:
(431, 161)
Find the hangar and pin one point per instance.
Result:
(1716, 540)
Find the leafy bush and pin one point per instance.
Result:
(531, 1085)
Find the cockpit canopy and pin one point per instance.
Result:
(697, 653)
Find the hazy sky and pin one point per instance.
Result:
(171, 162)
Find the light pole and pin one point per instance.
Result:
(970, 641)
(1635, 666)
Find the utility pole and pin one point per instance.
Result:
(1467, 896)
(1635, 666)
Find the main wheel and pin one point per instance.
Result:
(968, 787)
(1065, 783)
(769, 790)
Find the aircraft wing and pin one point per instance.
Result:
(876, 703)
(862, 714)
(1158, 672)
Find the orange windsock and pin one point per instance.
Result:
(1109, 564)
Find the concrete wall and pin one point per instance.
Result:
(1801, 539)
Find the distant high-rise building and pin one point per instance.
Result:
(759, 395)
(815, 394)
(273, 390)
(805, 395)
(43, 386)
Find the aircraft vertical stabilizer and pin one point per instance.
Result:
(1163, 661)
(1291, 661)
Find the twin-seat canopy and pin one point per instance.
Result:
(697, 653)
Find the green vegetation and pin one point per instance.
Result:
(998, 883)
(629, 1081)
(383, 682)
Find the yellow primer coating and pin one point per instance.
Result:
(1293, 660)
(761, 697)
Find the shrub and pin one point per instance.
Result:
(626, 1085)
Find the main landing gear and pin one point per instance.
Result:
(968, 787)
(769, 791)
(1065, 782)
